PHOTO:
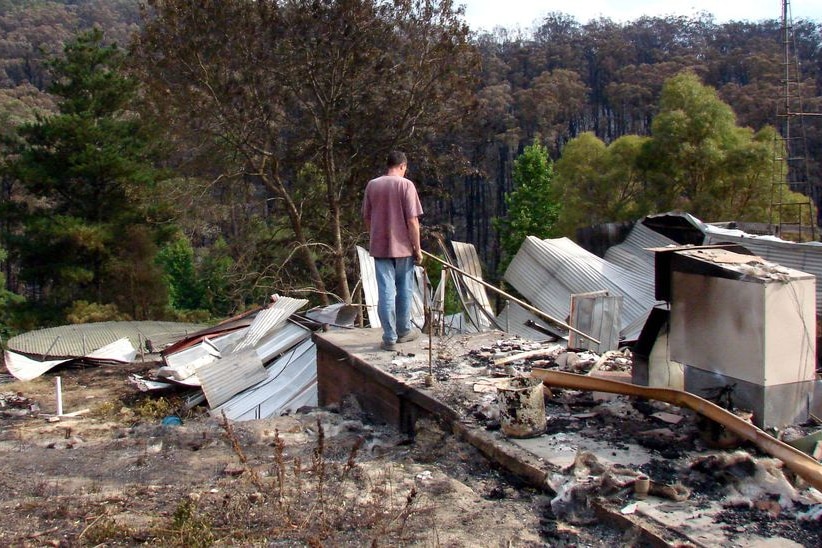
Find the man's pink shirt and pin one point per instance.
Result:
(389, 201)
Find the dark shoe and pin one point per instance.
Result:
(412, 335)
(388, 346)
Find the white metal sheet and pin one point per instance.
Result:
(224, 378)
(290, 381)
(268, 320)
(548, 272)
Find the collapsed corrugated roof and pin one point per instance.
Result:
(548, 272)
(26, 369)
(291, 383)
(78, 340)
(685, 228)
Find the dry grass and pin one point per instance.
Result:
(316, 503)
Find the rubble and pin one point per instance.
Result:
(655, 456)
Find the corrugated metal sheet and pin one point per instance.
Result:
(206, 351)
(74, 341)
(474, 294)
(268, 320)
(368, 278)
(277, 342)
(184, 365)
(548, 272)
(230, 375)
(291, 383)
(805, 257)
(633, 254)
(513, 318)
(120, 351)
(596, 314)
(26, 369)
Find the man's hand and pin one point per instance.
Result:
(418, 256)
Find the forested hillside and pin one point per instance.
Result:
(192, 159)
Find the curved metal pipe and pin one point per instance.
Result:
(803, 465)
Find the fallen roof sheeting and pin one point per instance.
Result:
(634, 253)
(685, 229)
(227, 376)
(515, 320)
(548, 272)
(78, 340)
(223, 379)
(184, 365)
(475, 299)
(291, 383)
(268, 320)
(25, 368)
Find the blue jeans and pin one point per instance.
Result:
(395, 278)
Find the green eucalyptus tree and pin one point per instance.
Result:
(701, 161)
(597, 184)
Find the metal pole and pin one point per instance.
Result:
(509, 296)
(428, 299)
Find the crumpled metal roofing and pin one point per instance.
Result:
(805, 257)
(513, 318)
(291, 383)
(78, 340)
(548, 272)
(468, 261)
(633, 254)
(268, 320)
(26, 368)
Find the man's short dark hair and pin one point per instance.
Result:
(396, 158)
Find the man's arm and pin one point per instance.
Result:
(413, 225)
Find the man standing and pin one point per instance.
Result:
(391, 211)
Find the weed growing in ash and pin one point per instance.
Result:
(323, 503)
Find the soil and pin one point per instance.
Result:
(123, 473)
(134, 469)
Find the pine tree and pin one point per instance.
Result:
(88, 169)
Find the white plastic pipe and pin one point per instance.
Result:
(59, 396)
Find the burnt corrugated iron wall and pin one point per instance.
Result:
(597, 239)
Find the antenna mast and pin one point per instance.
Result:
(791, 169)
